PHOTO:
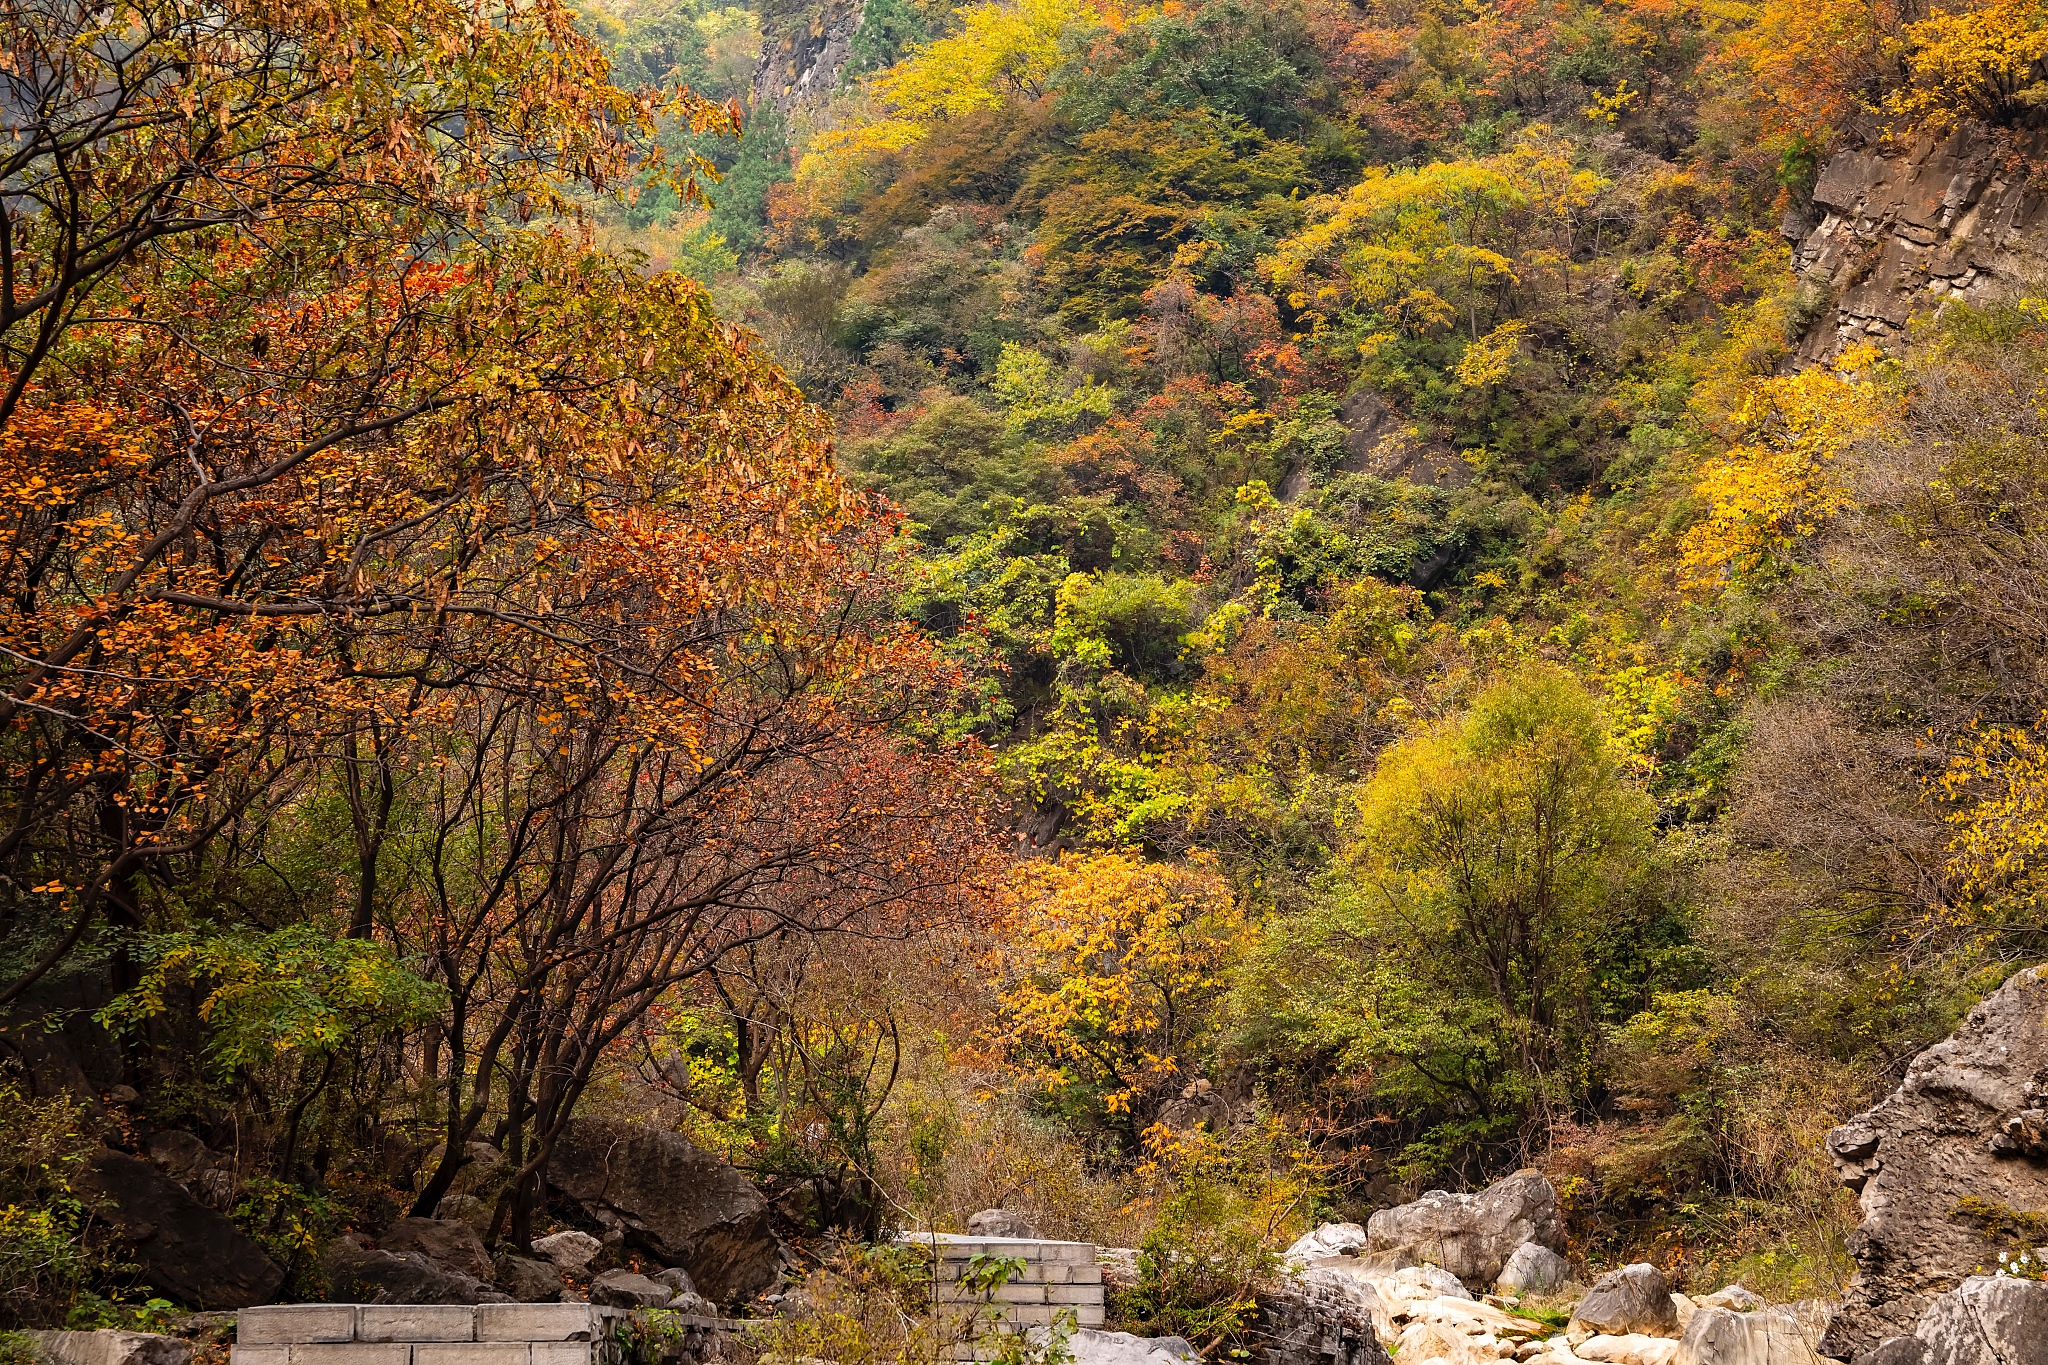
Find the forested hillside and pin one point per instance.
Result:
(1189, 619)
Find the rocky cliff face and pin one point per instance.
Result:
(1904, 230)
(1950, 1169)
(803, 50)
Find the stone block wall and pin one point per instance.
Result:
(427, 1334)
(1060, 1279)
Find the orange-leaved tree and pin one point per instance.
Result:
(330, 481)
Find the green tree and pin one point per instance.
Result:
(1490, 911)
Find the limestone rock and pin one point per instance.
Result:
(1331, 1239)
(1931, 1144)
(1732, 1296)
(109, 1347)
(448, 1242)
(357, 1273)
(1987, 1320)
(570, 1251)
(1001, 1223)
(1929, 220)
(1634, 1300)
(673, 1200)
(1472, 1235)
(1322, 1316)
(1426, 1282)
(185, 1250)
(1719, 1335)
(527, 1281)
(1630, 1349)
(1091, 1347)
(624, 1289)
(1533, 1269)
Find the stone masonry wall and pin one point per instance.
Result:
(427, 1334)
(1059, 1278)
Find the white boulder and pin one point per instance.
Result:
(1331, 1239)
(1767, 1336)
(1533, 1269)
(1628, 1349)
(1121, 1348)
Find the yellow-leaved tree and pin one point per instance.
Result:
(1005, 49)
(1772, 490)
(1109, 970)
(1989, 63)
(1442, 246)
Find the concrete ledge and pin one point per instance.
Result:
(542, 1321)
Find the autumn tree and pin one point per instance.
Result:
(1492, 873)
(1110, 970)
(337, 486)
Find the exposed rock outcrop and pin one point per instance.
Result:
(206, 1173)
(803, 52)
(1932, 1151)
(1632, 1301)
(109, 1347)
(1723, 1336)
(1472, 1235)
(358, 1273)
(674, 1201)
(186, 1251)
(1903, 230)
(1987, 1320)
(1322, 1317)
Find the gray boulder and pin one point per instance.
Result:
(1472, 1235)
(1533, 1269)
(1002, 1223)
(1322, 1316)
(184, 1250)
(1331, 1239)
(1955, 1129)
(624, 1289)
(1723, 1336)
(108, 1347)
(1634, 1300)
(524, 1280)
(1121, 1348)
(206, 1173)
(1987, 1320)
(674, 1201)
(448, 1242)
(357, 1273)
(570, 1251)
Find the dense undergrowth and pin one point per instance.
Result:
(1382, 674)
